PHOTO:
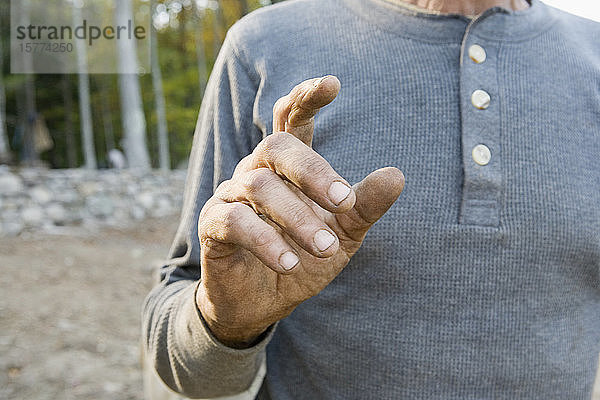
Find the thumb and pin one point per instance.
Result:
(294, 113)
(375, 194)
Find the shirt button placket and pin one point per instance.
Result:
(480, 110)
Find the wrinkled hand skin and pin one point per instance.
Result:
(285, 225)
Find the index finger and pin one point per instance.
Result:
(293, 160)
(295, 112)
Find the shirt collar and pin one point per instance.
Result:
(497, 23)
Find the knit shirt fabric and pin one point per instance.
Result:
(481, 281)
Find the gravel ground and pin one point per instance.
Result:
(70, 312)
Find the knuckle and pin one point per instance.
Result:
(312, 170)
(271, 147)
(232, 216)
(224, 188)
(207, 209)
(258, 181)
(280, 106)
(244, 165)
(272, 142)
(299, 217)
(263, 238)
(202, 231)
(301, 88)
(319, 167)
(206, 224)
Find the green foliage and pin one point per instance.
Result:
(176, 40)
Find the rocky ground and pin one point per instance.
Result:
(70, 311)
(54, 200)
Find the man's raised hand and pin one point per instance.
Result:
(285, 225)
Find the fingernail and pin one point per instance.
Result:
(324, 239)
(338, 192)
(288, 260)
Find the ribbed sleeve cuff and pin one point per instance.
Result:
(197, 353)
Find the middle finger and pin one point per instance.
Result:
(290, 158)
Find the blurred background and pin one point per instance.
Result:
(42, 123)
(81, 234)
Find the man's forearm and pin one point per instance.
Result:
(186, 355)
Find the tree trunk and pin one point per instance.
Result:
(159, 99)
(4, 147)
(200, 50)
(107, 124)
(28, 113)
(218, 27)
(244, 7)
(85, 110)
(29, 152)
(132, 113)
(70, 144)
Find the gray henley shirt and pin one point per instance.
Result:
(482, 281)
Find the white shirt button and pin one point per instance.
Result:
(477, 54)
(480, 99)
(481, 154)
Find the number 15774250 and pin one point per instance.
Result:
(47, 47)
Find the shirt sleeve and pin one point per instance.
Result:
(185, 354)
